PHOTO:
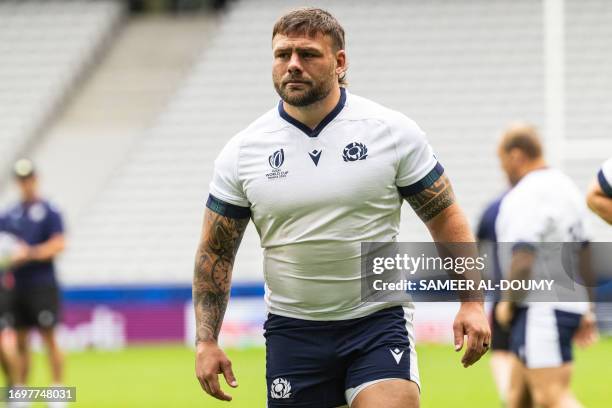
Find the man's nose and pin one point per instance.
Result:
(295, 65)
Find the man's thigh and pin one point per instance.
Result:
(549, 385)
(392, 393)
(382, 351)
(302, 370)
(519, 395)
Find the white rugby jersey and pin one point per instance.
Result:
(315, 195)
(545, 206)
(604, 176)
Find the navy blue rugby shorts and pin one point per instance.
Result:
(324, 364)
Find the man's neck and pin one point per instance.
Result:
(537, 164)
(313, 114)
(29, 200)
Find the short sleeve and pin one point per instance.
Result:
(225, 184)
(55, 223)
(418, 168)
(604, 176)
(517, 222)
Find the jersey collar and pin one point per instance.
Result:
(326, 120)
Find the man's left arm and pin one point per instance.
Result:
(446, 222)
(49, 249)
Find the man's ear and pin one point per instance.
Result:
(341, 65)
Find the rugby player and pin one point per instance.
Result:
(38, 224)
(318, 174)
(599, 197)
(544, 206)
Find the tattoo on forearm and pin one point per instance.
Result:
(213, 269)
(433, 200)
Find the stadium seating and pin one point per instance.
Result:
(451, 69)
(462, 71)
(44, 47)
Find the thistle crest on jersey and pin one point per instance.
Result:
(277, 159)
(355, 151)
(280, 388)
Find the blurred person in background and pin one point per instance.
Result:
(10, 249)
(599, 197)
(36, 304)
(501, 356)
(318, 174)
(544, 206)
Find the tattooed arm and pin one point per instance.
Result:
(437, 208)
(444, 218)
(215, 256)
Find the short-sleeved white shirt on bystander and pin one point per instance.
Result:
(544, 207)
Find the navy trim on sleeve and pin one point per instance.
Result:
(603, 183)
(227, 209)
(523, 246)
(424, 183)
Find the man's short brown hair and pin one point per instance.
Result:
(523, 137)
(309, 21)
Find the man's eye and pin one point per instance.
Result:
(282, 55)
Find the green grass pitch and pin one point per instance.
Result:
(162, 376)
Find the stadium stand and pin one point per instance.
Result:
(446, 66)
(454, 68)
(45, 47)
(588, 90)
(588, 86)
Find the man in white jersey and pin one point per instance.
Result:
(599, 197)
(320, 173)
(543, 210)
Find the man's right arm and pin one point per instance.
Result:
(219, 242)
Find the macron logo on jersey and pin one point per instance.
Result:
(315, 155)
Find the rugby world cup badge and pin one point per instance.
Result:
(276, 161)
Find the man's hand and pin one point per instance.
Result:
(504, 313)
(210, 362)
(472, 321)
(587, 333)
(21, 254)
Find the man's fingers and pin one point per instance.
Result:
(470, 350)
(475, 349)
(215, 389)
(226, 367)
(458, 334)
(205, 386)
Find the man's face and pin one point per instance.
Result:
(511, 163)
(27, 187)
(305, 68)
